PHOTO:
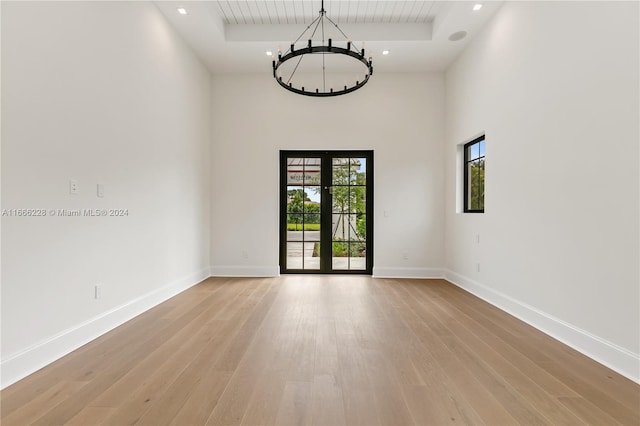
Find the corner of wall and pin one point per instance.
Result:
(606, 353)
(244, 271)
(39, 355)
(420, 273)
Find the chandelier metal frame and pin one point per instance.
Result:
(329, 48)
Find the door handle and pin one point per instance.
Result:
(330, 189)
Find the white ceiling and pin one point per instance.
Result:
(234, 35)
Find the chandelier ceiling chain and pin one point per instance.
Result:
(350, 51)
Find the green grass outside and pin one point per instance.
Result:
(307, 227)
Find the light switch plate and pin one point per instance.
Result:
(73, 186)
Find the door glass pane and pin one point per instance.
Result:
(311, 229)
(312, 161)
(340, 172)
(349, 222)
(311, 255)
(303, 213)
(357, 256)
(361, 226)
(340, 255)
(357, 199)
(312, 197)
(340, 227)
(312, 172)
(294, 255)
(340, 197)
(295, 171)
(295, 208)
(354, 228)
(358, 171)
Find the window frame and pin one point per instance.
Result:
(465, 163)
(326, 213)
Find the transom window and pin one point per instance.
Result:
(474, 176)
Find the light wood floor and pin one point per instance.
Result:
(326, 351)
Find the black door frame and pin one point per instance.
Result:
(326, 209)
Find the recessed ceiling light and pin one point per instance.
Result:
(269, 53)
(477, 7)
(182, 11)
(385, 52)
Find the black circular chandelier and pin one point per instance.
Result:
(325, 54)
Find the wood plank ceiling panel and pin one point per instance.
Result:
(341, 11)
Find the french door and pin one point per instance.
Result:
(326, 212)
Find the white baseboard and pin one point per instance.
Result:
(384, 272)
(245, 271)
(32, 359)
(45, 352)
(606, 353)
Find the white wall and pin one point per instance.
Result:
(399, 116)
(555, 87)
(100, 92)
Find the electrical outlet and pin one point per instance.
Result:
(100, 190)
(73, 187)
(478, 238)
(97, 291)
(477, 267)
(405, 255)
(245, 255)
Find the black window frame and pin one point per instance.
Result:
(465, 164)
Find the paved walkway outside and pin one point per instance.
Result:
(298, 250)
(340, 263)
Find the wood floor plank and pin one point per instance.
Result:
(587, 412)
(500, 358)
(295, 405)
(358, 409)
(480, 397)
(137, 378)
(179, 394)
(494, 336)
(265, 399)
(620, 399)
(233, 353)
(138, 403)
(545, 351)
(327, 402)
(113, 370)
(323, 350)
(436, 338)
(51, 397)
(234, 401)
(207, 389)
(387, 391)
(91, 416)
(81, 363)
